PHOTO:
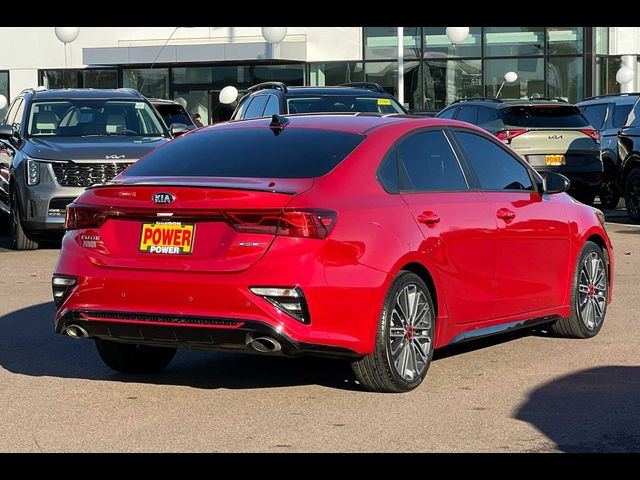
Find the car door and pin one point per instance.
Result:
(459, 228)
(7, 153)
(533, 240)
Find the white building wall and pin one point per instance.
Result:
(39, 48)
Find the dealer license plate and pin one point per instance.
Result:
(167, 238)
(555, 160)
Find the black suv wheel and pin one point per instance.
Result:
(19, 239)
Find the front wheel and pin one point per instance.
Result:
(133, 358)
(589, 295)
(632, 194)
(19, 239)
(404, 340)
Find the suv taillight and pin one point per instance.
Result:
(506, 136)
(595, 134)
(305, 223)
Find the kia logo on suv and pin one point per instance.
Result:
(555, 137)
(162, 198)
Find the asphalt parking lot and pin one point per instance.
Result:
(525, 392)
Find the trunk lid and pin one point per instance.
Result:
(578, 148)
(200, 207)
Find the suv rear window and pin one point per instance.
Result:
(249, 152)
(342, 103)
(545, 116)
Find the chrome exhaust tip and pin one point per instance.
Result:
(77, 332)
(264, 344)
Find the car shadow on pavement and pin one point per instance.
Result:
(29, 346)
(592, 410)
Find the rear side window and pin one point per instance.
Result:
(620, 115)
(495, 168)
(595, 114)
(272, 107)
(450, 113)
(429, 164)
(545, 116)
(468, 113)
(256, 107)
(249, 152)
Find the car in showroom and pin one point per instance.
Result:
(550, 134)
(174, 115)
(55, 143)
(608, 114)
(269, 98)
(240, 246)
(628, 178)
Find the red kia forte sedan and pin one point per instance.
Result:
(376, 238)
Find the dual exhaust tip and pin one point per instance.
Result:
(77, 332)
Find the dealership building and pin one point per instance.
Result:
(195, 63)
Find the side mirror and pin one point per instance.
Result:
(178, 129)
(6, 132)
(555, 183)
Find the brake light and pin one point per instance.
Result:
(507, 135)
(304, 223)
(595, 134)
(84, 216)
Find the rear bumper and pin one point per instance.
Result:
(344, 300)
(205, 333)
(580, 177)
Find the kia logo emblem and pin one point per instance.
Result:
(555, 137)
(114, 157)
(162, 198)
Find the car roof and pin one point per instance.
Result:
(618, 99)
(508, 102)
(86, 93)
(338, 90)
(358, 123)
(162, 101)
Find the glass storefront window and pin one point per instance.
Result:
(565, 40)
(191, 74)
(99, 78)
(449, 80)
(565, 78)
(288, 74)
(382, 42)
(4, 90)
(54, 79)
(79, 78)
(386, 75)
(437, 45)
(602, 40)
(605, 75)
(513, 41)
(530, 77)
(335, 73)
(237, 75)
(152, 83)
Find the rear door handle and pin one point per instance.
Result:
(505, 214)
(428, 218)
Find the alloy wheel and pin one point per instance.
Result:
(592, 291)
(410, 332)
(633, 196)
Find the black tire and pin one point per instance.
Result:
(577, 325)
(19, 239)
(632, 194)
(608, 192)
(133, 358)
(377, 371)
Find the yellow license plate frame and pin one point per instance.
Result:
(167, 238)
(555, 160)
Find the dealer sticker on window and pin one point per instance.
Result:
(384, 101)
(169, 238)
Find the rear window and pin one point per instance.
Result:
(342, 103)
(595, 114)
(174, 114)
(249, 152)
(552, 116)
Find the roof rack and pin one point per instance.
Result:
(376, 87)
(554, 99)
(626, 94)
(265, 85)
(483, 99)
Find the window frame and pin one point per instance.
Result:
(534, 176)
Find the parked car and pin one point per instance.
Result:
(266, 99)
(628, 179)
(550, 134)
(241, 246)
(608, 114)
(174, 115)
(55, 143)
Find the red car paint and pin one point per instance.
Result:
(492, 257)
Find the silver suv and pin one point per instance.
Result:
(55, 143)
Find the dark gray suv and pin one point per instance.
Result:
(55, 143)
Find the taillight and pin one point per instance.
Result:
(595, 134)
(507, 135)
(84, 216)
(304, 223)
